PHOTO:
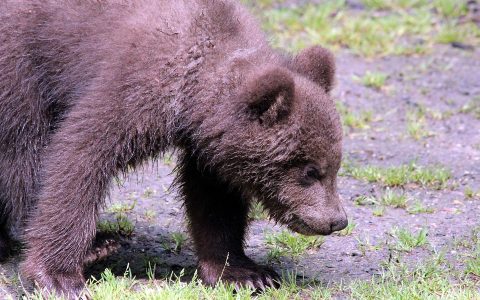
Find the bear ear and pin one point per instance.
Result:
(269, 95)
(318, 64)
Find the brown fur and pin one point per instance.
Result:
(89, 89)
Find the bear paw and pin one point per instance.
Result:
(102, 248)
(240, 272)
(69, 286)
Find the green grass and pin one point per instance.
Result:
(428, 280)
(472, 107)
(257, 211)
(354, 120)
(288, 244)
(122, 208)
(407, 241)
(111, 287)
(121, 225)
(450, 8)
(375, 80)
(418, 207)
(349, 229)
(178, 239)
(417, 124)
(425, 176)
(394, 199)
(470, 193)
(378, 211)
(394, 4)
(407, 27)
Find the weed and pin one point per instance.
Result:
(179, 239)
(375, 80)
(365, 200)
(290, 244)
(257, 211)
(150, 215)
(470, 193)
(122, 208)
(419, 208)
(450, 8)
(349, 229)
(407, 241)
(378, 211)
(364, 245)
(354, 120)
(148, 192)
(472, 107)
(435, 177)
(417, 125)
(122, 226)
(393, 199)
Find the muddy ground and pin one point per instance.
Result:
(443, 81)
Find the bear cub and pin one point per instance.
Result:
(92, 89)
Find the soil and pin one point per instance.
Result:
(444, 80)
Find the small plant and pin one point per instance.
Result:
(150, 215)
(148, 192)
(417, 125)
(257, 211)
(349, 229)
(419, 208)
(470, 193)
(364, 245)
(435, 177)
(375, 80)
(290, 244)
(378, 211)
(122, 208)
(393, 199)
(407, 241)
(472, 107)
(365, 200)
(450, 8)
(353, 120)
(122, 226)
(179, 239)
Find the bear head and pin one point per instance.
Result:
(282, 143)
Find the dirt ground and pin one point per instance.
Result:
(443, 82)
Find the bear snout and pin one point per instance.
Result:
(339, 224)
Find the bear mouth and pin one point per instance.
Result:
(298, 225)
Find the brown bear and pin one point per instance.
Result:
(90, 89)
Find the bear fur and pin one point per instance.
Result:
(90, 89)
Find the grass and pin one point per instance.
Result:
(349, 229)
(393, 199)
(450, 8)
(354, 120)
(417, 124)
(407, 241)
(257, 212)
(470, 193)
(405, 27)
(472, 107)
(375, 80)
(288, 244)
(418, 207)
(428, 280)
(430, 176)
(122, 226)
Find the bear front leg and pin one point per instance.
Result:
(87, 151)
(218, 221)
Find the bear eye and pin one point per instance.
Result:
(311, 174)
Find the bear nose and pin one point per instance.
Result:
(338, 224)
